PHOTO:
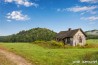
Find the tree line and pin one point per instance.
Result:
(92, 36)
(36, 34)
(41, 34)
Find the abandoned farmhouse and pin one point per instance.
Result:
(72, 37)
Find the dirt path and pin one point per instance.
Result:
(18, 60)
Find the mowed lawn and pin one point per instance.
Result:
(45, 56)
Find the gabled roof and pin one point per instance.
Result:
(71, 33)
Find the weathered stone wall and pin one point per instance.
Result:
(76, 39)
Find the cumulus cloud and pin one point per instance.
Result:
(92, 18)
(89, 1)
(22, 2)
(17, 15)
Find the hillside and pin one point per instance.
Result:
(92, 34)
(30, 35)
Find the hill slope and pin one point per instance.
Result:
(92, 34)
(30, 35)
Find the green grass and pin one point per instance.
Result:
(92, 41)
(45, 56)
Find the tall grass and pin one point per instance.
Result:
(92, 41)
(40, 55)
(49, 44)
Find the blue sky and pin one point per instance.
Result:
(57, 15)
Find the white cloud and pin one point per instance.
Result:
(89, 1)
(82, 9)
(17, 15)
(92, 18)
(34, 4)
(8, 0)
(22, 2)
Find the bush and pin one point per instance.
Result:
(49, 44)
(55, 43)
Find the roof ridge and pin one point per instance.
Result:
(70, 30)
(67, 33)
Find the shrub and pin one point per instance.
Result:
(56, 44)
(49, 44)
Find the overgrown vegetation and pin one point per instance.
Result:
(49, 44)
(91, 43)
(38, 54)
(88, 56)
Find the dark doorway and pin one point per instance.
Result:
(68, 40)
(80, 40)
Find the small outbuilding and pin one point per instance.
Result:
(73, 37)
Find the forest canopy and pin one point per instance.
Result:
(41, 34)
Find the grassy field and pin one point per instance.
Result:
(45, 56)
(92, 41)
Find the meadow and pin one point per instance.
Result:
(40, 55)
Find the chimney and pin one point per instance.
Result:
(69, 29)
(79, 28)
